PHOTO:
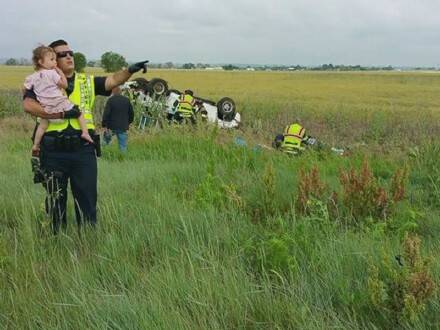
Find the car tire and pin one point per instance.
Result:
(226, 109)
(157, 87)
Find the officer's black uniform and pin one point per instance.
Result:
(64, 155)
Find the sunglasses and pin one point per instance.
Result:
(65, 53)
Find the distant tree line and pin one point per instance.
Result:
(112, 61)
(18, 61)
(323, 67)
(331, 67)
(230, 67)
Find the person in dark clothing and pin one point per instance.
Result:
(117, 117)
(64, 155)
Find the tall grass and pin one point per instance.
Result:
(196, 232)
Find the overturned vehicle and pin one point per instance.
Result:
(157, 103)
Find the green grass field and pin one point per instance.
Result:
(196, 232)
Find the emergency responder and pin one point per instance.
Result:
(64, 156)
(185, 108)
(293, 140)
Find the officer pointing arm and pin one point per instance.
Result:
(122, 76)
(32, 107)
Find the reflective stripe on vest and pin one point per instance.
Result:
(293, 136)
(185, 107)
(83, 96)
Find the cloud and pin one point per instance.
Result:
(399, 32)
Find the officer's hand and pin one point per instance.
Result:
(74, 113)
(138, 66)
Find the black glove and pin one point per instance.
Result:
(138, 66)
(74, 113)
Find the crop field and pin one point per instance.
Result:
(197, 232)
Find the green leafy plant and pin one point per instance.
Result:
(271, 253)
(402, 286)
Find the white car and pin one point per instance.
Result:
(155, 98)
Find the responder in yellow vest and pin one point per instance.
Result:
(185, 107)
(293, 140)
(64, 155)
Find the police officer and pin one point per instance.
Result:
(64, 156)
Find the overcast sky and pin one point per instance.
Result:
(309, 32)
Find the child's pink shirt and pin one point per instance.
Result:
(51, 97)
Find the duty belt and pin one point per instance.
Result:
(61, 142)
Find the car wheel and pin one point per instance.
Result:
(157, 87)
(226, 109)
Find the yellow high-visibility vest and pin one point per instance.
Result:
(186, 105)
(293, 136)
(83, 96)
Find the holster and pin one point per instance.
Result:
(97, 141)
(39, 175)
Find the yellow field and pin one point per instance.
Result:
(340, 106)
(317, 88)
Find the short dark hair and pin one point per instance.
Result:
(189, 92)
(56, 43)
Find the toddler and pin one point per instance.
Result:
(48, 83)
